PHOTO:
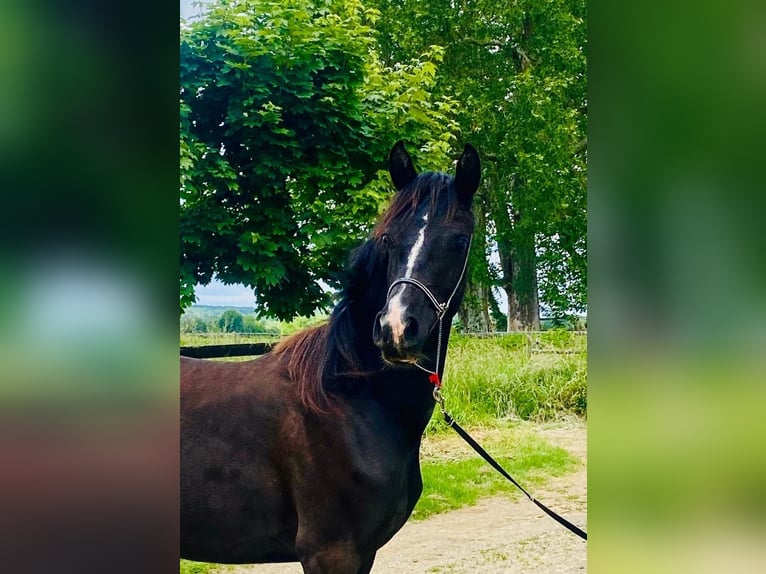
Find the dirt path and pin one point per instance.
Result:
(496, 535)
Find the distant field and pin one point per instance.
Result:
(200, 339)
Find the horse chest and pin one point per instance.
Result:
(391, 485)
(404, 501)
(363, 477)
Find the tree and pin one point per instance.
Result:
(250, 324)
(542, 244)
(517, 71)
(193, 324)
(231, 321)
(287, 115)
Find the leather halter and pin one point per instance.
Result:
(441, 309)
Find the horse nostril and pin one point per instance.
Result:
(411, 329)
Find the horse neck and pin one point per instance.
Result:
(407, 393)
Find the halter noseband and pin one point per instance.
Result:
(441, 311)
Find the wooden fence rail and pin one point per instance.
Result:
(235, 350)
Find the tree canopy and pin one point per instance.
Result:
(518, 73)
(288, 110)
(287, 116)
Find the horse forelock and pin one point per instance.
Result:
(436, 188)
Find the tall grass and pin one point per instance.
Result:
(535, 377)
(202, 339)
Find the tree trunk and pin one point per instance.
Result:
(519, 265)
(486, 293)
(474, 311)
(516, 249)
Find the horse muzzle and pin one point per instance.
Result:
(399, 335)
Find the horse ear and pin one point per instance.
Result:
(468, 174)
(400, 166)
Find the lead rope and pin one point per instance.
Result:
(435, 379)
(496, 465)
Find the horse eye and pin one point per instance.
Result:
(386, 240)
(461, 241)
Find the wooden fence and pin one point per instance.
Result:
(235, 350)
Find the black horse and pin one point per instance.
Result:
(311, 453)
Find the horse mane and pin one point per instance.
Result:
(304, 355)
(328, 357)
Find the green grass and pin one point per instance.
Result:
(450, 484)
(189, 567)
(537, 377)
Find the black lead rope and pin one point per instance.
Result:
(486, 456)
(435, 378)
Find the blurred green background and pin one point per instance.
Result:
(677, 317)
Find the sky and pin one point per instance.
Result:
(216, 293)
(187, 9)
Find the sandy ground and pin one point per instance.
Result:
(496, 535)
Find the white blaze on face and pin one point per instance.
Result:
(395, 315)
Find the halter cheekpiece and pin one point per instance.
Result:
(441, 311)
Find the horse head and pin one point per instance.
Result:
(426, 235)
